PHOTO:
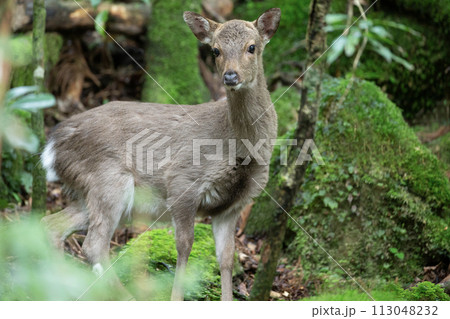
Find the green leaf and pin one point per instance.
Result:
(95, 3)
(393, 250)
(14, 93)
(403, 62)
(365, 24)
(332, 28)
(381, 32)
(398, 26)
(400, 256)
(352, 42)
(377, 37)
(330, 203)
(336, 49)
(33, 102)
(381, 50)
(335, 18)
(18, 135)
(100, 22)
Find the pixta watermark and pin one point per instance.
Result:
(149, 151)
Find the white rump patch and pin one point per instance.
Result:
(48, 162)
(97, 269)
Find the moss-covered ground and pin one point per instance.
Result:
(424, 291)
(147, 264)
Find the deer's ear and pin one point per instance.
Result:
(202, 27)
(267, 23)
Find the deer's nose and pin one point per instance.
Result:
(230, 78)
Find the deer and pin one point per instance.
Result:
(88, 154)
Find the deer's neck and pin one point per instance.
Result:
(251, 113)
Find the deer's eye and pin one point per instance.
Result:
(251, 49)
(216, 52)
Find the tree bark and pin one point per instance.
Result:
(125, 18)
(39, 194)
(291, 176)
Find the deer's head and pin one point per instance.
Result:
(237, 45)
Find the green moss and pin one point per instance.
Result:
(379, 204)
(425, 291)
(151, 259)
(172, 56)
(21, 54)
(357, 295)
(286, 109)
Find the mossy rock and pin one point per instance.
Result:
(172, 56)
(147, 264)
(379, 204)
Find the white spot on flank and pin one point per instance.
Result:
(97, 269)
(48, 162)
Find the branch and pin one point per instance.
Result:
(125, 18)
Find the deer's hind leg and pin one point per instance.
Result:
(68, 221)
(106, 204)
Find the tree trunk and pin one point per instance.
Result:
(39, 194)
(292, 175)
(125, 18)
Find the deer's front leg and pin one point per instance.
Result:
(224, 226)
(184, 236)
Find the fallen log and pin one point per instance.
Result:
(428, 137)
(125, 18)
